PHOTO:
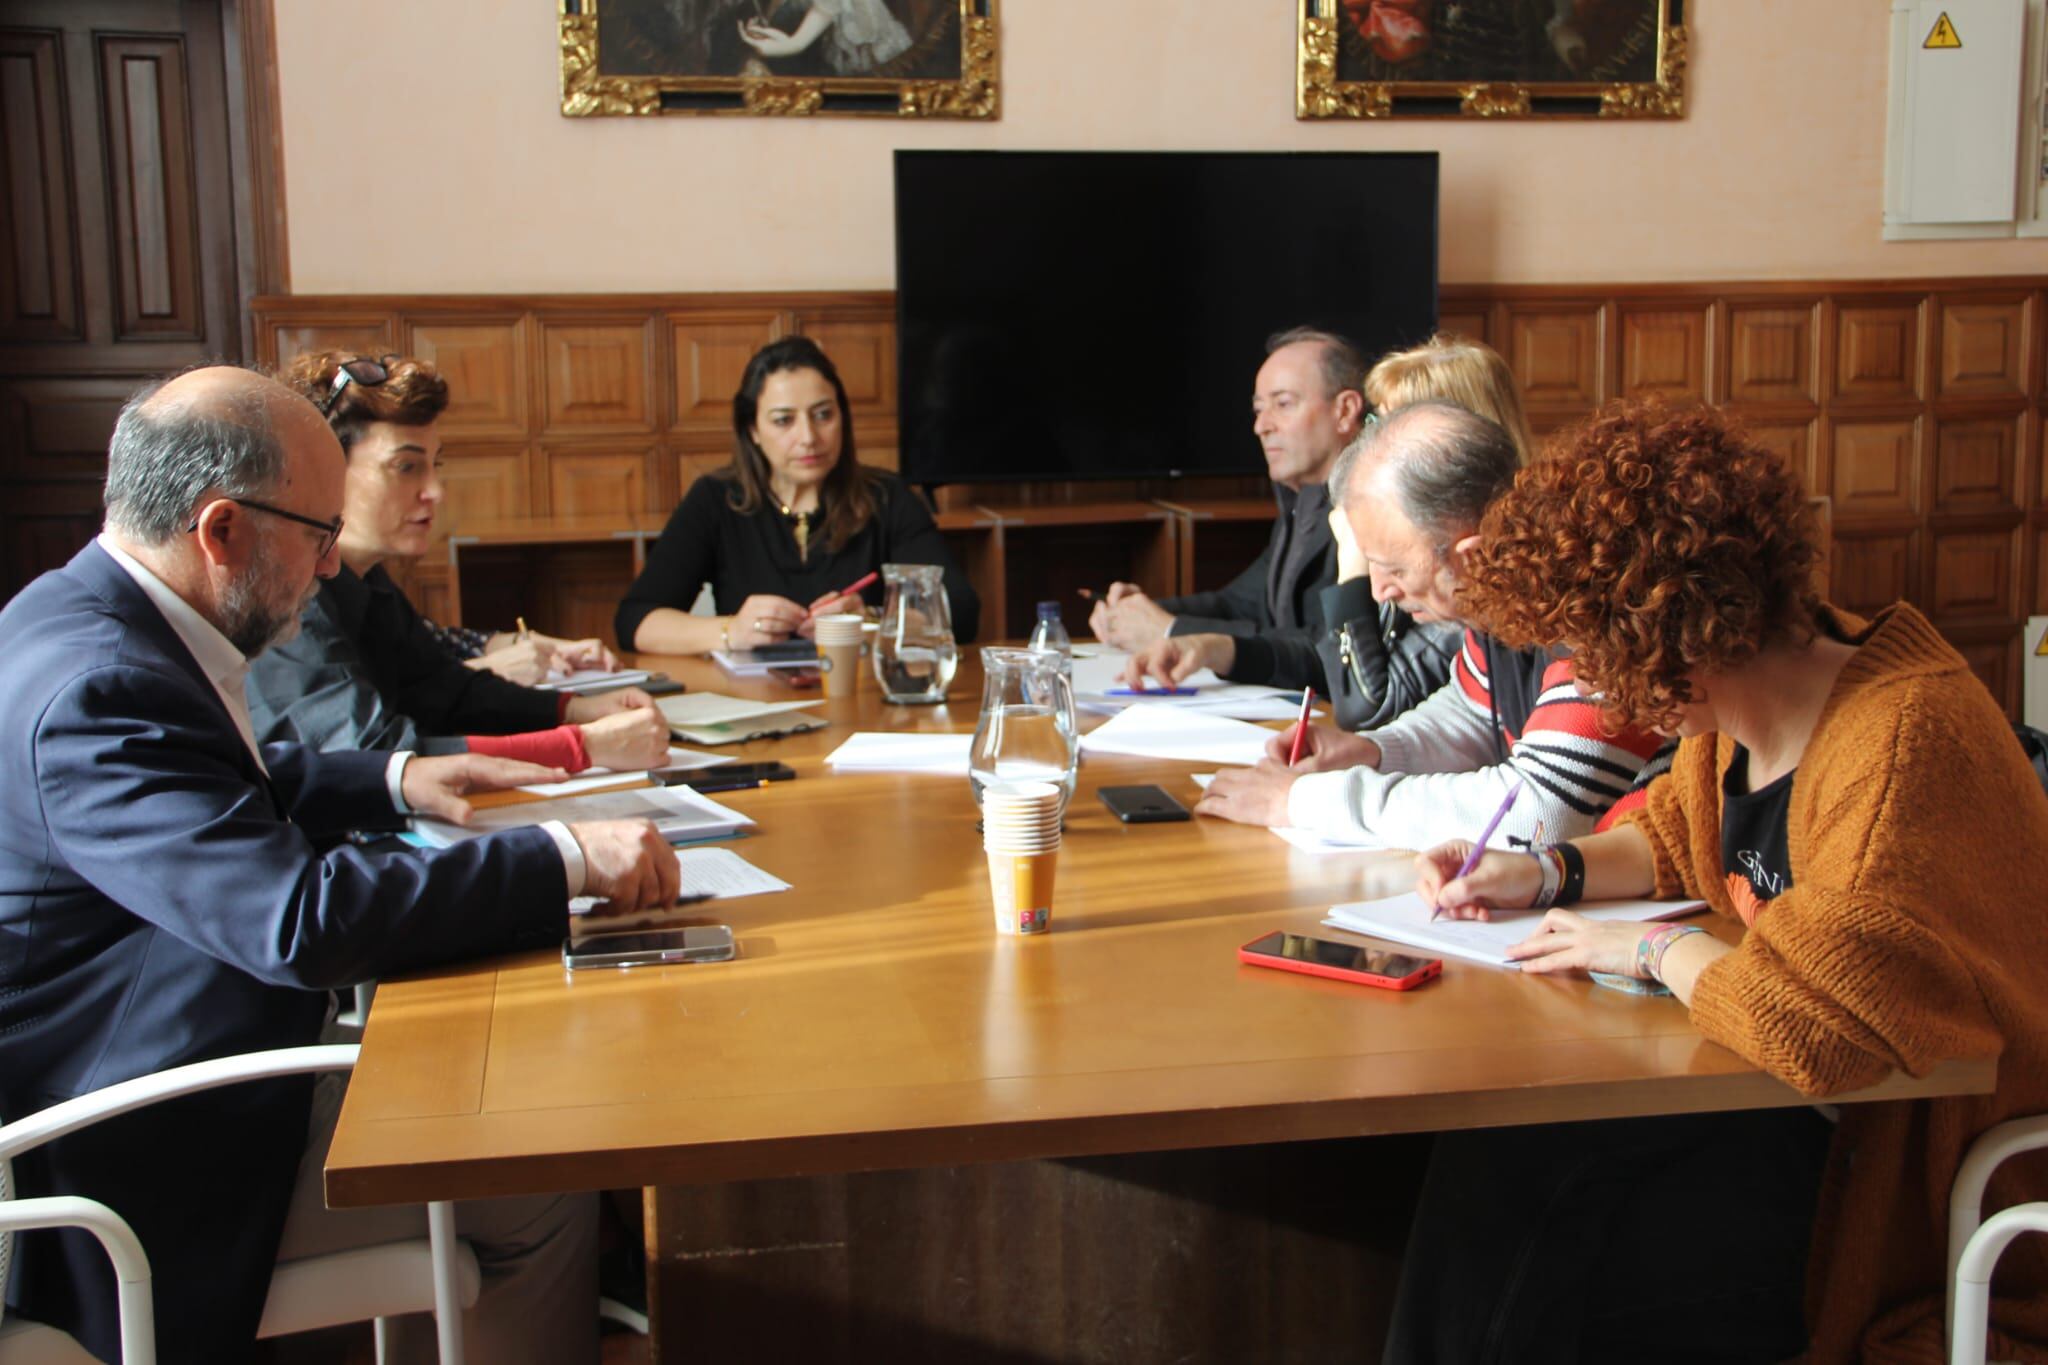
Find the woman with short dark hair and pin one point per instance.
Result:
(781, 531)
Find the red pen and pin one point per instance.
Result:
(1308, 697)
(849, 590)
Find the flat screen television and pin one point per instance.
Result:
(1082, 315)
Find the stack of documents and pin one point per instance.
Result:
(1173, 732)
(744, 663)
(713, 718)
(680, 814)
(1099, 688)
(1405, 919)
(879, 751)
(584, 680)
(601, 779)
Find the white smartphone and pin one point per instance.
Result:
(698, 943)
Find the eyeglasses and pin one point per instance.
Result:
(331, 530)
(368, 373)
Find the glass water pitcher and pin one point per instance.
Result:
(914, 654)
(1028, 730)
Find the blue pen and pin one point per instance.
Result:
(1472, 858)
(1152, 692)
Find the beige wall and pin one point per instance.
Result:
(424, 153)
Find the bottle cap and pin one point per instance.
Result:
(1046, 609)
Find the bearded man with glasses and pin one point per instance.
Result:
(171, 891)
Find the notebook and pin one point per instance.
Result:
(1405, 919)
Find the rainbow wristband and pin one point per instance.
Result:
(1650, 949)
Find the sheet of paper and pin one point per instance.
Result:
(1405, 919)
(1202, 780)
(594, 680)
(1308, 841)
(1097, 673)
(596, 779)
(715, 708)
(1169, 732)
(1230, 699)
(1099, 689)
(878, 751)
(723, 874)
(718, 873)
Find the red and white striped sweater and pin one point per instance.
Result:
(1446, 764)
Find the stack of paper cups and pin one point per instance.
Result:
(1020, 824)
(839, 639)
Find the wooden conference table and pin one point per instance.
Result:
(874, 1022)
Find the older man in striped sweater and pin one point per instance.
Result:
(1425, 477)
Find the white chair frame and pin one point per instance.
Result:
(454, 1277)
(1974, 1242)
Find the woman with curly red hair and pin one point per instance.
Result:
(1850, 799)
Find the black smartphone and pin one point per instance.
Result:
(652, 947)
(778, 652)
(1142, 805)
(724, 777)
(659, 686)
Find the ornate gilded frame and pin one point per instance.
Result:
(589, 92)
(1321, 94)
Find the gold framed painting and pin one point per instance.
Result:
(899, 58)
(1491, 59)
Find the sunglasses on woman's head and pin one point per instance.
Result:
(368, 373)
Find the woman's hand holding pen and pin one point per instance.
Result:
(1501, 881)
(829, 604)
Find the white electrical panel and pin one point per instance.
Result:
(1957, 111)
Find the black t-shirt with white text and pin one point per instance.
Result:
(1755, 847)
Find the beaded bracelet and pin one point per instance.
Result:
(1650, 949)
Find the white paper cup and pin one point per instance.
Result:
(839, 649)
(840, 628)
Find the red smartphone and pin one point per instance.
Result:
(1340, 961)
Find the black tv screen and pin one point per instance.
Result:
(1076, 315)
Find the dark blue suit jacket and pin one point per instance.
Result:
(162, 902)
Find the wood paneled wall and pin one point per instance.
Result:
(1916, 407)
(583, 405)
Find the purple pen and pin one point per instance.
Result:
(1478, 848)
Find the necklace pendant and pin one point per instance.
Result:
(803, 537)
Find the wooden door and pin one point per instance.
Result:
(118, 243)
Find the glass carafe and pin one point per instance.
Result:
(914, 654)
(1028, 730)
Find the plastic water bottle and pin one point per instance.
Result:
(1050, 636)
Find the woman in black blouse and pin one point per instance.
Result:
(783, 529)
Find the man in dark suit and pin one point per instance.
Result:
(171, 892)
(1307, 404)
